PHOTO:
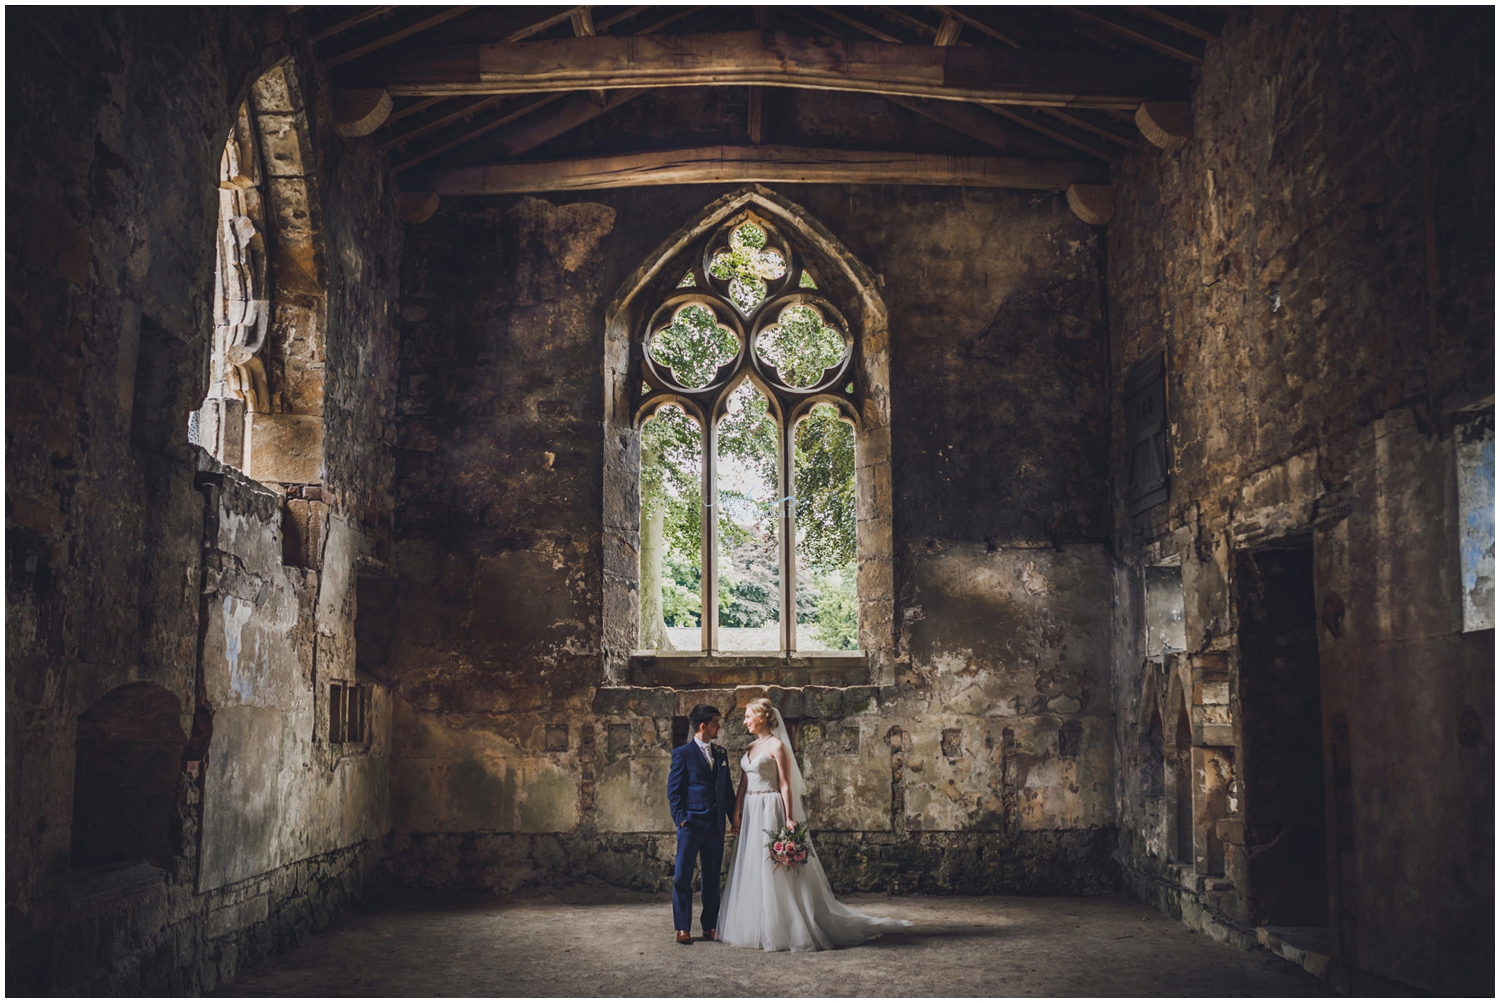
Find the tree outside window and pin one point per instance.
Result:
(747, 456)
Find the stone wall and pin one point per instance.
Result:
(986, 763)
(135, 563)
(1317, 264)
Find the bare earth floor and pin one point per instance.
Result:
(605, 943)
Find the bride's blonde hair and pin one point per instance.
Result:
(761, 708)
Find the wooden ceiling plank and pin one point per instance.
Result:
(1127, 32)
(624, 15)
(1061, 137)
(765, 164)
(976, 24)
(855, 23)
(1082, 123)
(394, 37)
(351, 22)
(778, 59)
(1176, 23)
(437, 123)
(541, 26)
(501, 120)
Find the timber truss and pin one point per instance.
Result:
(493, 100)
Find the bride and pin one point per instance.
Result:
(771, 907)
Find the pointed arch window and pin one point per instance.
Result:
(747, 376)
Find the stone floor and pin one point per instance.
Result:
(606, 943)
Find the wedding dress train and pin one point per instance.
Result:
(778, 908)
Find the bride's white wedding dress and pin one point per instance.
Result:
(777, 908)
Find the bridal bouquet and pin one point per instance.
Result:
(789, 845)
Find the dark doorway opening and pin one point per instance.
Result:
(1281, 722)
(129, 754)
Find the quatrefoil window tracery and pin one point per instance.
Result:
(748, 309)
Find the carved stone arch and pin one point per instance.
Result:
(844, 281)
(264, 410)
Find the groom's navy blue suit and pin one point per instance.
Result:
(702, 800)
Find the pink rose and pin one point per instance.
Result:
(779, 847)
(802, 856)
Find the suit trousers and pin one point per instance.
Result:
(704, 847)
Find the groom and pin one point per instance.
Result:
(702, 799)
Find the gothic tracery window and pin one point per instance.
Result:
(242, 308)
(747, 411)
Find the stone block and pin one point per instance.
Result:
(285, 448)
(242, 915)
(284, 139)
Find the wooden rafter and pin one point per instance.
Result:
(1021, 117)
(396, 36)
(855, 23)
(921, 27)
(575, 111)
(977, 25)
(1172, 19)
(351, 22)
(572, 112)
(523, 108)
(1173, 49)
(948, 31)
(1078, 122)
(960, 117)
(412, 109)
(766, 164)
(467, 111)
(776, 59)
(671, 20)
(624, 15)
(542, 25)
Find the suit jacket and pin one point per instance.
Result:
(699, 795)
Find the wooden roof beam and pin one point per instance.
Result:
(1079, 122)
(1152, 40)
(516, 111)
(1174, 18)
(970, 120)
(765, 164)
(855, 23)
(351, 22)
(397, 36)
(776, 59)
(1021, 117)
(977, 25)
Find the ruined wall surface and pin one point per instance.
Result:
(1317, 263)
(131, 556)
(986, 766)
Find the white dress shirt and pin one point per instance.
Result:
(708, 753)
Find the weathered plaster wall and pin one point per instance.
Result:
(131, 556)
(987, 766)
(1318, 264)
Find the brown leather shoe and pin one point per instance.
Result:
(712, 934)
(683, 937)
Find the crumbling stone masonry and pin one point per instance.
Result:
(1317, 266)
(1174, 574)
(157, 614)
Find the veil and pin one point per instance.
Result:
(799, 787)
